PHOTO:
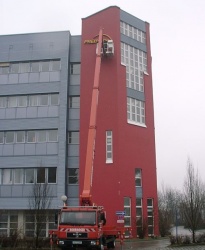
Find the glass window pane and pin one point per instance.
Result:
(22, 101)
(75, 68)
(43, 100)
(73, 137)
(74, 102)
(20, 136)
(5, 70)
(45, 66)
(18, 176)
(51, 175)
(24, 67)
(14, 67)
(9, 137)
(2, 102)
(7, 176)
(126, 201)
(73, 175)
(42, 136)
(35, 66)
(29, 175)
(41, 175)
(52, 135)
(149, 202)
(54, 99)
(33, 100)
(1, 137)
(12, 101)
(56, 65)
(31, 136)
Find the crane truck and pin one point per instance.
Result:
(85, 226)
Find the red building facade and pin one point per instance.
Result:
(124, 173)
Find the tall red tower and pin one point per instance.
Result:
(124, 173)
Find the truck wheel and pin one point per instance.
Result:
(111, 244)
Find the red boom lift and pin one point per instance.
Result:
(85, 226)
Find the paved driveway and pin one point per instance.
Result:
(161, 244)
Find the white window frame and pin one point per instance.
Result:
(138, 176)
(32, 181)
(135, 61)
(109, 146)
(135, 112)
(7, 173)
(20, 170)
(127, 207)
(150, 209)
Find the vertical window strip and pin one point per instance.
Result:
(135, 61)
(150, 216)
(109, 147)
(127, 209)
(139, 215)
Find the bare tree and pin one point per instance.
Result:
(193, 199)
(39, 204)
(168, 203)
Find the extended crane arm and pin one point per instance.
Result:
(104, 48)
(85, 198)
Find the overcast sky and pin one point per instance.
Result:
(178, 52)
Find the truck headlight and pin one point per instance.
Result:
(93, 243)
(61, 242)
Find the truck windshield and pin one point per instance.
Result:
(78, 218)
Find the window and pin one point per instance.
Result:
(29, 175)
(24, 67)
(45, 66)
(1, 137)
(10, 137)
(22, 101)
(35, 66)
(52, 135)
(41, 136)
(54, 99)
(43, 100)
(73, 137)
(12, 101)
(51, 175)
(18, 176)
(14, 68)
(74, 102)
(55, 65)
(150, 215)
(127, 209)
(75, 68)
(138, 177)
(41, 175)
(29, 224)
(0, 175)
(73, 175)
(20, 136)
(3, 223)
(139, 215)
(135, 111)
(4, 68)
(33, 100)
(31, 136)
(2, 102)
(136, 63)
(109, 153)
(133, 32)
(7, 176)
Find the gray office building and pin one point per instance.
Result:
(39, 123)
